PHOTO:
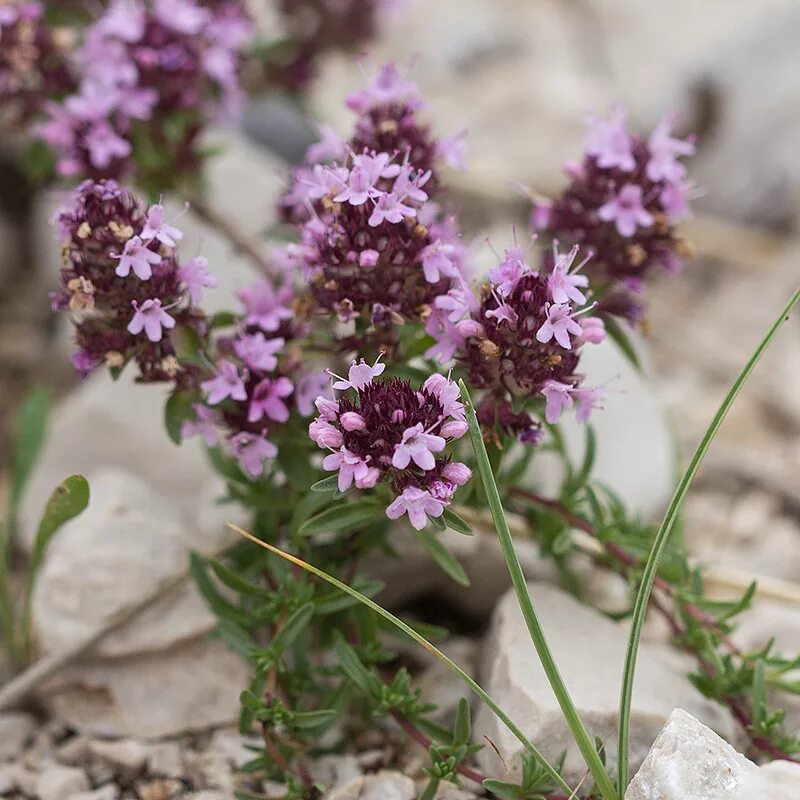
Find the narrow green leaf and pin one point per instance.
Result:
(177, 410)
(462, 728)
(501, 789)
(355, 670)
(216, 602)
(662, 538)
(31, 430)
(341, 517)
(456, 523)
(326, 485)
(311, 720)
(422, 641)
(571, 716)
(443, 557)
(293, 627)
(235, 581)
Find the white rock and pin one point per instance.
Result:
(231, 744)
(512, 675)
(16, 729)
(17, 777)
(449, 791)
(441, 687)
(688, 761)
(126, 756)
(189, 687)
(386, 785)
(336, 770)
(57, 782)
(779, 779)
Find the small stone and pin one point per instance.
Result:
(688, 761)
(385, 785)
(779, 780)
(16, 730)
(449, 791)
(57, 782)
(209, 770)
(273, 789)
(73, 751)
(208, 795)
(17, 777)
(231, 744)
(126, 756)
(165, 760)
(336, 770)
(160, 790)
(107, 792)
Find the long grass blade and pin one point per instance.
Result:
(662, 537)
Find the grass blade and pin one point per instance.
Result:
(421, 640)
(579, 733)
(662, 537)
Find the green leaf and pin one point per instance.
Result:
(235, 581)
(216, 602)
(456, 523)
(506, 791)
(296, 466)
(177, 410)
(291, 630)
(662, 539)
(462, 728)
(31, 430)
(68, 500)
(312, 720)
(619, 336)
(443, 557)
(342, 517)
(326, 485)
(355, 670)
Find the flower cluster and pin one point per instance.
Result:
(622, 204)
(257, 379)
(385, 430)
(123, 283)
(521, 340)
(32, 65)
(162, 65)
(374, 247)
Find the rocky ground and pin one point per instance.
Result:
(121, 720)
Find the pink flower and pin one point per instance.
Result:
(389, 208)
(437, 260)
(508, 272)
(359, 375)
(664, 152)
(588, 399)
(311, 387)
(351, 468)
(352, 421)
(150, 318)
(457, 473)
(268, 400)
(608, 141)
(626, 210)
(156, 228)
(264, 306)
(594, 329)
(419, 447)
(123, 20)
(328, 409)
(386, 88)
(448, 394)
(105, 144)
(330, 147)
(418, 504)
(367, 170)
(203, 425)
(227, 383)
(196, 276)
(559, 398)
(559, 325)
(457, 303)
(184, 16)
(504, 313)
(564, 286)
(138, 257)
(674, 199)
(324, 435)
(251, 451)
(257, 351)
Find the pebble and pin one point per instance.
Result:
(16, 729)
(57, 782)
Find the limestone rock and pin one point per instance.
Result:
(589, 650)
(779, 779)
(189, 687)
(108, 792)
(165, 760)
(386, 785)
(57, 782)
(126, 756)
(688, 761)
(15, 731)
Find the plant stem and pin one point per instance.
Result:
(576, 726)
(421, 640)
(661, 538)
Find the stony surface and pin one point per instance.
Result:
(57, 782)
(16, 730)
(382, 786)
(688, 761)
(779, 779)
(512, 675)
